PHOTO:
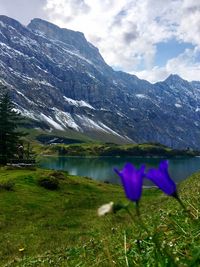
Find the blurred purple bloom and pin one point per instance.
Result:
(161, 178)
(132, 180)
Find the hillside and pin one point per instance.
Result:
(40, 227)
(113, 150)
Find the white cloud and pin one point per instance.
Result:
(153, 75)
(22, 10)
(189, 29)
(3, 9)
(127, 31)
(186, 65)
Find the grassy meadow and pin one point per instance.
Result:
(42, 227)
(100, 149)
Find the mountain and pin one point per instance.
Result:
(60, 80)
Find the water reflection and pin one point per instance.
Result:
(101, 168)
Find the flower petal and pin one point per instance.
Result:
(132, 180)
(161, 178)
(163, 166)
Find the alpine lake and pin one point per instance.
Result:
(101, 168)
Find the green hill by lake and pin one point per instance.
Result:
(108, 149)
(42, 227)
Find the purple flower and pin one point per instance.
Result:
(132, 180)
(161, 178)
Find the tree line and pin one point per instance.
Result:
(11, 145)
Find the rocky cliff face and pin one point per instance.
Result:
(59, 78)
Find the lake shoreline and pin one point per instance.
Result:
(101, 168)
(114, 150)
(93, 156)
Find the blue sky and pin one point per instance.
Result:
(148, 38)
(168, 50)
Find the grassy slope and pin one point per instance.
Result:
(61, 228)
(97, 149)
(32, 135)
(98, 137)
(81, 145)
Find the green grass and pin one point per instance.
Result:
(97, 149)
(39, 227)
(33, 134)
(77, 144)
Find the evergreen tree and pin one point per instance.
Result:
(9, 122)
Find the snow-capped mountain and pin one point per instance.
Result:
(57, 77)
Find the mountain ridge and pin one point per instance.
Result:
(57, 77)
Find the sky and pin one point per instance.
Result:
(149, 38)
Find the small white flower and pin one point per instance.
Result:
(106, 208)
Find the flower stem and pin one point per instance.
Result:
(176, 196)
(137, 209)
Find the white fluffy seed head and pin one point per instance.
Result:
(105, 209)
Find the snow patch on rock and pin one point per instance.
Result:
(141, 96)
(28, 100)
(51, 122)
(77, 103)
(66, 119)
(177, 105)
(99, 126)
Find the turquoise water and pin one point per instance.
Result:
(101, 168)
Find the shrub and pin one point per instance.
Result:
(7, 185)
(49, 182)
(58, 175)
